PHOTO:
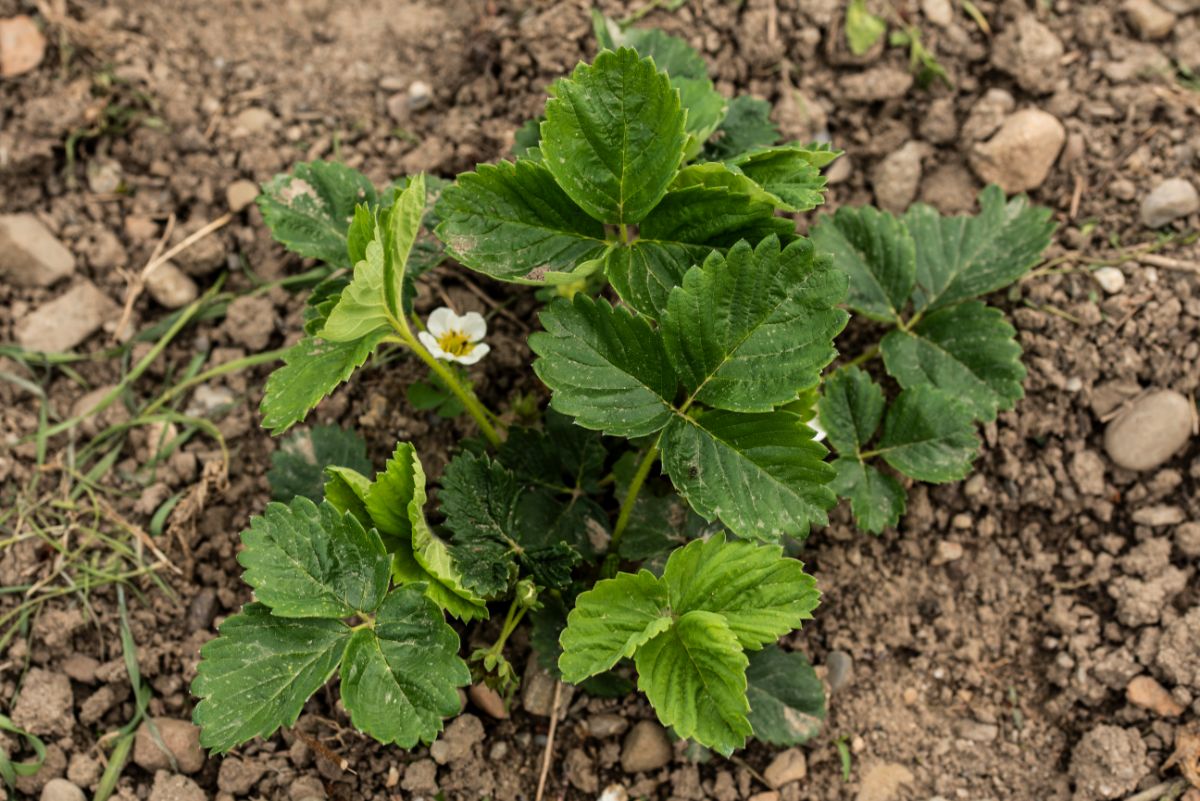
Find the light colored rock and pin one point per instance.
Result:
(1178, 654)
(950, 188)
(1158, 515)
(104, 176)
(1110, 279)
(977, 731)
(1107, 763)
(770, 795)
(208, 399)
(1147, 693)
(883, 782)
(420, 778)
(29, 254)
(537, 691)
(646, 748)
(22, 46)
(171, 287)
(62, 790)
(841, 670)
(606, 724)
(456, 742)
(182, 739)
(1170, 200)
(238, 776)
(44, 704)
(1030, 52)
(614, 792)
(1087, 469)
(1150, 430)
(1149, 19)
(939, 12)
(940, 123)
(168, 787)
(1187, 539)
(66, 321)
(310, 788)
(253, 121)
(1181, 6)
(250, 321)
(897, 177)
(947, 551)
(240, 194)
(83, 770)
(1019, 156)
(420, 96)
(789, 766)
(987, 114)
(877, 83)
(488, 701)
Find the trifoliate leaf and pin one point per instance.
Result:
(645, 272)
(308, 561)
(863, 29)
(962, 257)
(298, 467)
(790, 173)
(611, 621)
(309, 210)
(787, 700)
(851, 409)
(969, 350)
(313, 368)
(694, 675)
(760, 474)
(747, 126)
(258, 672)
(929, 435)
(712, 216)
(876, 499)
(876, 251)
(750, 331)
(607, 368)
(614, 157)
(513, 222)
(400, 677)
(551, 518)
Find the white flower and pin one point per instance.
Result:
(454, 338)
(818, 432)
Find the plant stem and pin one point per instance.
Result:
(624, 232)
(516, 611)
(635, 486)
(219, 370)
(865, 356)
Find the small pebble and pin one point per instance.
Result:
(488, 701)
(1147, 693)
(789, 766)
(240, 194)
(419, 95)
(841, 670)
(1170, 200)
(61, 790)
(1110, 279)
(646, 748)
(1150, 431)
(22, 46)
(947, 552)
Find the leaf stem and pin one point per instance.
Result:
(516, 611)
(624, 233)
(865, 356)
(635, 487)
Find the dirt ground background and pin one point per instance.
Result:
(1030, 634)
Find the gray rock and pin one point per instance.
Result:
(83, 770)
(250, 321)
(420, 96)
(1087, 469)
(104, 176)
(877, 83)
(537, 691)
(976, 731)
(940, 124)
(1187, 539)
(29, 254)
(646, 748)
(1181, 6)
(1178, 654)
(420, 778)
(1150, 431)
(841, 670)
(1149, 19)
(238, 776)
(606, 724)
(209, 399)
(1019, 156)
(456, 742)
(182, 740)
(307, 788)
(66, 321)
(171, 287)
(789, 766)
(1108, 763)
(1110, 279)
(168, 787)
(950, 188)
(1031, 53)
(62, 790)
(44, 704)
(896, 178)
(939, 12)
(1170, 200)
(987, 114)
(252, 121)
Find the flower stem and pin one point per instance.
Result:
(516, 611)
(865, 356)
(635, 486)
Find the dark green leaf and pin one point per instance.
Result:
(929, 435)
(787, 700)
(298, 467)
(876, 251)
(789, 172)
(876, 499)
(851, 409)
(313, 368)
(309, 210)
(747, 126)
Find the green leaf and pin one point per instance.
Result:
(606, 367)
(645, 272)
(851, 409)
(400, 678)
(705, 108)
(513, 222)
(761, 474)
(876, 251)
(717, 174)
(863, 29)
(876, 499)
(396, 498)
(258, 672)
(403, 227)
(346, 489)
(560, 456)
(969, 350)
(659, 521)
(309, 210)
(747, 126)
(527, 137)
(611, 621)
(929, 435)
(298, 467)
(308, 561)
(694, 675)
(752, 330)
(671, 54)
(614, 136)
(790, 173)
(962, 257)
(362, 311)
(313, 368)
(712, 216)
(787, 700)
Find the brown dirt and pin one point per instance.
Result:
(986, 637)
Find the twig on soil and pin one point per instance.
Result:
(541, 788)
(1167, 791)
(1168, 263)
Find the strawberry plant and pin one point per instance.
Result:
(644, 515)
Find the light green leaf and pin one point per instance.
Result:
(611, 621)
(694, 675)
(790, 173)
(308, 561)
(513, 222)
(876, 499)
(442, 580)
(851, 409)
(750, 331)
(403, 222)
(962, 257)
(346, 489)
(614, 136)
(787, 700)
(747, 126)
(400, 678)
(309, 209)
(760, 474)
(258, 672)
(298, 466)
(313, 368)
(527, 137)
(929, 435)
(362, 310)
(969, 350)
(396, 498)
(877, 252)
(606, 367)
(717, 174)
(863, 29)
(712, 216)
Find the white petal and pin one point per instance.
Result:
(815, 425)
(473, 325)
(477, 353)
(432, 345)
(442, 320)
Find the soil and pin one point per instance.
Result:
(992, 637)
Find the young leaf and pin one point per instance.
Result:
(362, 310)
(611, 621)
(396, 498)
(400, 676)
(961, 257)
(929, 435)
(715, 173)
(747, 126)
(790, 173)
(298, 467)
(671, 54)
(787, 701)
(346, 489)
(876, 251)
(513, 222)
(308, 561)
(309, 210)
(761, 474)
(851, 409)
(258, 672)
(863, 29)
(705, 108)
(750, 331)
(613, 156)
(876, 499)
(969, 350)
(606, 367)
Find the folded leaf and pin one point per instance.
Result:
(606, 367)
(747, 126)
(789, 172)
(716, 174)
(309, 210)
(963, 257)
(313, 368)
(396, 498)
(614, 157)
(611, 621)
(258, 672)
(876, 499)
(876, 251)
(298, 466)
(750, 331)
(787, 701)
(969, 350)
(346, 489)
(929, 435)
(851, 409)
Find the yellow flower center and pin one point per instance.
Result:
(455, 343)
